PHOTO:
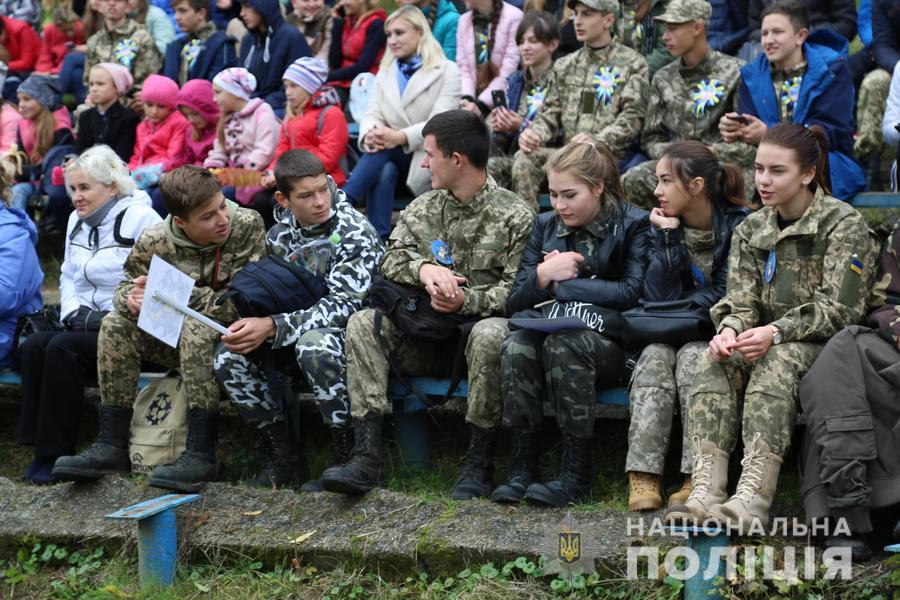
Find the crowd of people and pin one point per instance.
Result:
(697, 158)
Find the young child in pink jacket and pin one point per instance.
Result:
(247, 133)
(198, 105)
(160, 136)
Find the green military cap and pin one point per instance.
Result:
(685, 11)
(610, 6)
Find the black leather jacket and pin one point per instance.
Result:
(668, 275)
(622, 258)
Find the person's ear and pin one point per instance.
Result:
(178, 221)
(808, 176)
(281, 199)
(553, 46)
(802, 35)
(696, 185)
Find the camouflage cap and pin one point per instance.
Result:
(609, 6)
(684, 11)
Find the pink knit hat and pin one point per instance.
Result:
(159, 89)
(121, 76)
(197, 94)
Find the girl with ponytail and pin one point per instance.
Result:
(799, 271)
(701, 201)
(486, 51)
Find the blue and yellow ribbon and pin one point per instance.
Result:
(790, 91)
(534, 99)
(125, 52)
(606, 82)
(707, 94)
(482, 45)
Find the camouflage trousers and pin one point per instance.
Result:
(566, 368)
(639, 182)
(873, 93)
(662, 378)
(368, 368)
(528, 174)
(122, 347)
(500, 168)
(769, 391)
(320, 355)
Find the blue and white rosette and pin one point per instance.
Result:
(125, 52)
(191, 51)
(790, 91)
(482, 43)
(606, 82)
(534, 99)
(707, 94)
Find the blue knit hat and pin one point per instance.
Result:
(43, 89)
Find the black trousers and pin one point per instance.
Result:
(54, 368)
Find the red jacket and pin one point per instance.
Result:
(301, 132)
(22, 43)
(353, 38)
(160, 144)
(53, 47)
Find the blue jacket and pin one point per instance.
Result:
(444, 28)
(827, 98)
(20, 275)
(728, 27)
(216, 55)
(268, 55)
(864, 22)
(886, 33)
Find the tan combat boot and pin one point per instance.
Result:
(709, 477)
(749, 508)
(681, 496)
(644, 491)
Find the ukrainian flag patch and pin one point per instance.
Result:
(855, 265)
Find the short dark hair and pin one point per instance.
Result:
(186, 188)
(293, 166)
(460, 131)
(545, 25)
(793, 10)
(196, 5)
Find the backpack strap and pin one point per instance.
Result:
(117, 233)
(321, 121)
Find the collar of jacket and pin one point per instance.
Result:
(768, 236)
(481, 197)
(790, 72)
(596, 55)
(702, 66)
(178, 237)
(287, 218)
(531, 80)
(204, 32)
(598, 226)
(250, 107)
(127, 28)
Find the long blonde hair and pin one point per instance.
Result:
(429, 48)
(44, 128)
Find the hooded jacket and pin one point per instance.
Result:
(20, 275)
(826, 98)
(728, 27)
(268, 54)
(194, 151)
(345, 251)
(444, 28)
(160, 143)
(216, 54)
(93, 263)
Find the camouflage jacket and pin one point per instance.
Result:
(602, 93)
(823, 266)
(486, 236)
(212, 267)
(787, 88)
(686, 103)
(131, 45)
(646, 35)
(886, 291)
(344, 251)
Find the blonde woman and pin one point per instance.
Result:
(415, 81)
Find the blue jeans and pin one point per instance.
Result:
(71, 76)
(375, 178)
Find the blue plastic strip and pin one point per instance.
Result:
(876, 200)
(157, 549)
(151, 507)
(895, 548)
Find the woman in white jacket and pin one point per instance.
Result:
(110, 213)
(414, 82)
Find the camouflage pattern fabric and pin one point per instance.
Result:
(661, 380)
(686, 103)
(787, 88)
(873, 94)
(368, 368)
(602, 93)
(701, 247)
(190, 51)
(644, 36)
(499, 167)
(528, 174)
(131, 46)
(885, 315)
(566, 368)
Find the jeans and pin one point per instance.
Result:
(71, 76)
(375, 178)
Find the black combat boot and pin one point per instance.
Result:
(364, 469)
(575, 481)
(197, 464)
(285, 466)
(341, 451)
(523, 469)
(871, 164)
(109, 454)
(476, 478)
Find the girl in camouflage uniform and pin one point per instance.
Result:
(798, 273)
(700, 203)
(589, 252)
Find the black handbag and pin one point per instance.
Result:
(85, 320)
(673, 322)
(46, 319)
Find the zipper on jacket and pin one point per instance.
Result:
(665, 233)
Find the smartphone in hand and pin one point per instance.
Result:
(499, 98)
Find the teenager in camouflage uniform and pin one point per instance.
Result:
(461, 243)
(687, 99)
(538, 38)
(589, 252)
(599, 97)
(799, 272)
(123, 41)
(850, 463)
(640, 28)
(208, 238)
(319, 231)
(873, 95)
(700, 203)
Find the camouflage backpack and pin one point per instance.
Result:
(158, 424)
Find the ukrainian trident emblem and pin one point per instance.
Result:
(569, 547)
(575, 550)
(606, 82)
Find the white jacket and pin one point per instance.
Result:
(429, 92)
(89, 274)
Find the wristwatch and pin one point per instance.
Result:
(777, 336)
